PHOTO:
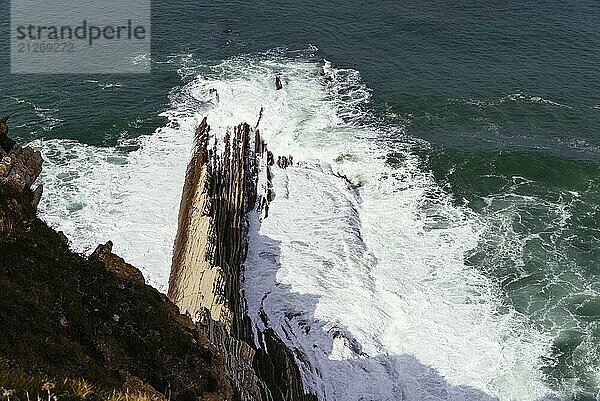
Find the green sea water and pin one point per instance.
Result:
(501, 99)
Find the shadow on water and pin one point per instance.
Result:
(352, 375)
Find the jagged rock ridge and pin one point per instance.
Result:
(211, 245)
(90, 328)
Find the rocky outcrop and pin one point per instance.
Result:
(78, 327)
(278, 84)
(19, 167)
(211, 244)
(116, 264)
(6, 144)
(82, 328)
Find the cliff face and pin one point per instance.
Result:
(210, 248)
(79, 328)
(87, 328)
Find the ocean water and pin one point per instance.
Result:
(460, 262)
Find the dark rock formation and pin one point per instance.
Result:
(79, 328)
(19, 167)
(210, 248)
(88, 328)
(115, 263)
(6, 144)
(285, 161)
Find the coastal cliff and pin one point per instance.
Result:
(221, 188)
(86, 328)
(75, 327)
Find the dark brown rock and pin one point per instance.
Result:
(20, 167)
(6, 144)
(116, 264)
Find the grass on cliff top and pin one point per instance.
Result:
(71, 328)
(20, 386)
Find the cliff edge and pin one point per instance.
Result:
(89, 328)
(75, 328)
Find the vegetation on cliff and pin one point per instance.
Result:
(73, 327)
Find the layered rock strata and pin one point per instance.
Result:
(69, 322)
(221, 188)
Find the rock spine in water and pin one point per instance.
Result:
(211, 245)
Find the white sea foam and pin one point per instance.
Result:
(534, 99)
(368, 283)
(98, 194)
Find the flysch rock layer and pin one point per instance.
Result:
(210, 248)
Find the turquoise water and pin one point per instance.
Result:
(500, 103)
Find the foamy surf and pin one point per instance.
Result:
(366, 282)
(131, 198)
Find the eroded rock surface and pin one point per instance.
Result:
(211, 245)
